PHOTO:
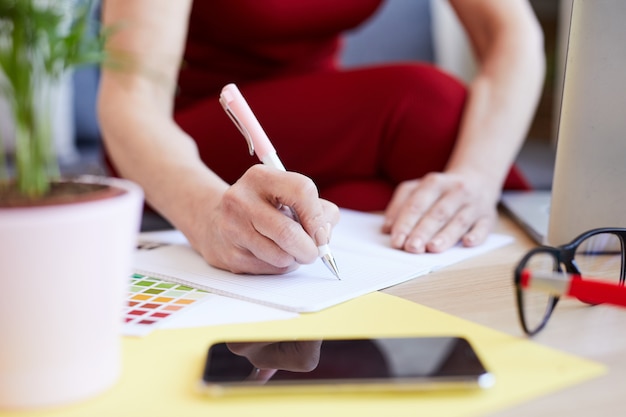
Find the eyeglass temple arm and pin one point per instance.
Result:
(590, 290)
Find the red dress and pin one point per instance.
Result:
(356, 133)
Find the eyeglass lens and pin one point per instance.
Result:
(536, 305)
(600, 256)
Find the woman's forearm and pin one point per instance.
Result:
(135, 107)
(153, 151)
(503, 97)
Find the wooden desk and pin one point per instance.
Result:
(481, 290)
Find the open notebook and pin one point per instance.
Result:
(363, 255)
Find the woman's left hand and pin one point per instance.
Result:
(433, 213)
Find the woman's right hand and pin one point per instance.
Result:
(237, 228)
(251, 231)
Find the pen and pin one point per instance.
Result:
(587, 289)
(237, 109)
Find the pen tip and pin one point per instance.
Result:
(330, 263)
(336, 273)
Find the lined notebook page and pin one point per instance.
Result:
(365, 260)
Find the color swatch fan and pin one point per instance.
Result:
(151, 301)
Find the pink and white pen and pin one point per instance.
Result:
(236, 107)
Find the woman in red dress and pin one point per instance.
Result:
(408, 139)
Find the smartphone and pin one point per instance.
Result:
(335, 365)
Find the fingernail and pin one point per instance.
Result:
(469, 239)
(415, 245)
(436, 243)
(398, 240)
(322, 235)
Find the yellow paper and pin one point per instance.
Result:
(162, 370)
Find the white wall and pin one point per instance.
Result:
(453, 51)
(62, 123)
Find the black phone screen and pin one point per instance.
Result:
(410, 360)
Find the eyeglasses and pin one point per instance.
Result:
(591, 268)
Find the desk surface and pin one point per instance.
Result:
(481, 290)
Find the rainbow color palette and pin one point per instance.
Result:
(151, 301)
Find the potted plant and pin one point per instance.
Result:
(66, 245)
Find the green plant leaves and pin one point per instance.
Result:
(40, 40)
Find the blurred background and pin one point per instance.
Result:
(425, 30)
